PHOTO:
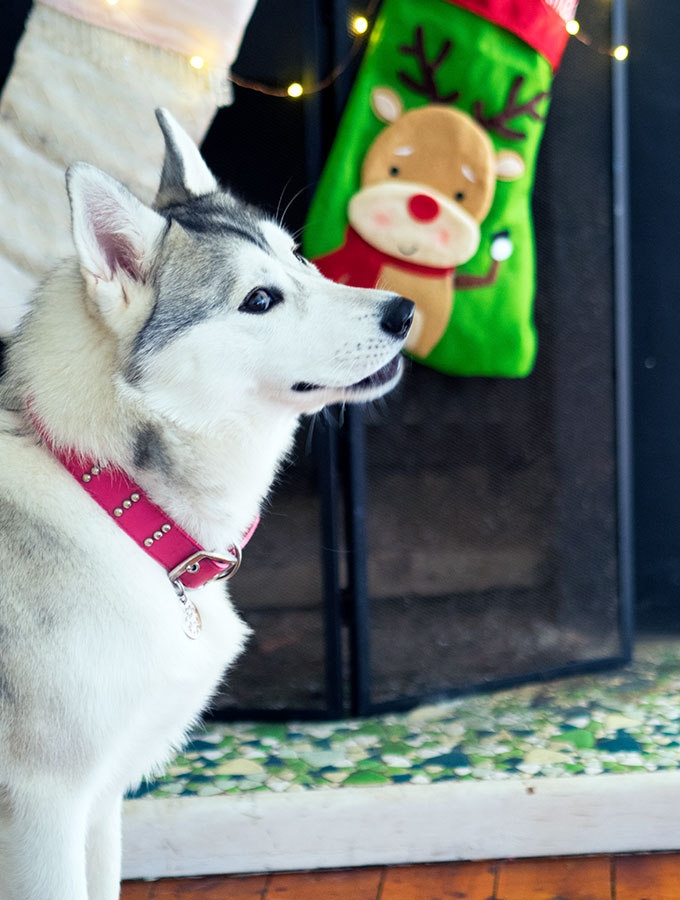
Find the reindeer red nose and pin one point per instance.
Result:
(423, 208)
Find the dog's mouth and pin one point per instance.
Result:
(383, 376)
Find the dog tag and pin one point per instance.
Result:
(191, 618)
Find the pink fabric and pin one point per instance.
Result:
(111, 487)
(212, 29)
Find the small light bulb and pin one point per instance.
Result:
(112, 2)
(572, 26)
(360, 24)
(197, 62)
(621, 52)
(295, 89)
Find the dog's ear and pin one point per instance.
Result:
(115, 236)
(185, 174)
(113, 231)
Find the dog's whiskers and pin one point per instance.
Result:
(297, 234)
(292, 200)
(278, 205)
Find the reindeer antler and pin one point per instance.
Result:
(498, 123)
(428, 88)
(428, 69)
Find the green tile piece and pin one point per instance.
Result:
(366, 777)
(271, 730)
(582, 739)
(398, 748)
(370, 764)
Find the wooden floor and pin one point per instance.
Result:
(653, 876)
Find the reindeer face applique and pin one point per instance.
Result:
(427, 183)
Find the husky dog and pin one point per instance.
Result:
(180, 346)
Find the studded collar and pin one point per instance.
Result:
(187, 563)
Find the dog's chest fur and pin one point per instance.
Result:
(100, 639)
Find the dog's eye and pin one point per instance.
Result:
(261, 300)
(299, 257)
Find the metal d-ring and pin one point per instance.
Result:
(233, 568)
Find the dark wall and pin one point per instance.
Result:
(654, 72)
(270, 149)
(13, 16)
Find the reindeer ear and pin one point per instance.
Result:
(113, 231)
(386, 104)
(185, 174)
(509, 165)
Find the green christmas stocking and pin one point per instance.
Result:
(428, 185)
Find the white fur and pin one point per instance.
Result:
(98, 682)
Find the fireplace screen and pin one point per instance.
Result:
(465, 532)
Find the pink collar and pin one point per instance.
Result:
(187, 563)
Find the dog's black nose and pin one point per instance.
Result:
(397, 316)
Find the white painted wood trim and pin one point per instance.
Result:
(264, 831)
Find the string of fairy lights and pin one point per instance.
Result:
(359, 26)
(573, 27)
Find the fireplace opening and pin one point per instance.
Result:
(464, 533)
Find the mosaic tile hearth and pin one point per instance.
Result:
(624, 721)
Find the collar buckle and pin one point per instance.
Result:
(192, 564)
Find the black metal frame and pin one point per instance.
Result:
(339, 440)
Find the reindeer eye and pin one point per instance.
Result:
(460, 196)
(394, 170)
(261, 300)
